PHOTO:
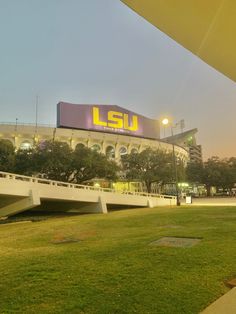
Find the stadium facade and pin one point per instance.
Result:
(111, 130)
(108, 129)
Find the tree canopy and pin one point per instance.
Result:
(88, 164)
(150, 166)
(217, 172)
(7, 155)
(55, 160)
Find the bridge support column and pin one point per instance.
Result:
(102, 205)
(29, 202)
(99, 207)
(150, 203)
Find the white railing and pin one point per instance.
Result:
(18, 177)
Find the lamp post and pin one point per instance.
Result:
(175, 173)
(16, 124)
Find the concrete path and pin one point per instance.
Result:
(213, 201)
(224, 305)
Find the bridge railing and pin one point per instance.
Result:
(18, 177)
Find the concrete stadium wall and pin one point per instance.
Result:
(18, 134)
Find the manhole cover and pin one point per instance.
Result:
(176, 242)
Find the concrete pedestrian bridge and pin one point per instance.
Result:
(20, 193)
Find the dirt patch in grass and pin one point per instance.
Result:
(65, 240)
(231, 283)
(60, 237)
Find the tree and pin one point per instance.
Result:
(232, 168)
(217, 172)
(149, 166)
(7, 156)
(195, 172)
(25, 162)
(88, 164)
(53, 160)
(181, 170)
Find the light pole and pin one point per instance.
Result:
(16, 124)
(175, 173)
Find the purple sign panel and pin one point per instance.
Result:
(106, 118)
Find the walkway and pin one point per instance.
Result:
(214, 201)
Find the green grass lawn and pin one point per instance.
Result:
(112, 268)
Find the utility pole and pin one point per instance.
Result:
(16, 124)
(175, 170)
(36, 114)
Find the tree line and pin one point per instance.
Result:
(56, 160)
(153, 166)
(217, 172)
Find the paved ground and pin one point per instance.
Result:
(224, 305)
(216, 201)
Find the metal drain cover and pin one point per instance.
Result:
(176, 242)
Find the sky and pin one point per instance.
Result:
(102, 52)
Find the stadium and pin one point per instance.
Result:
(108, 129)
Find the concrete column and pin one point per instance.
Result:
(150, 203)
(29, 202)
(99, 207)
(102, 205)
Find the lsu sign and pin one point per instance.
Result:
(106, 118)
(116, 119)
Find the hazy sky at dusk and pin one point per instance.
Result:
(101, 52)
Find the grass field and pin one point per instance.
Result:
(112, 268)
